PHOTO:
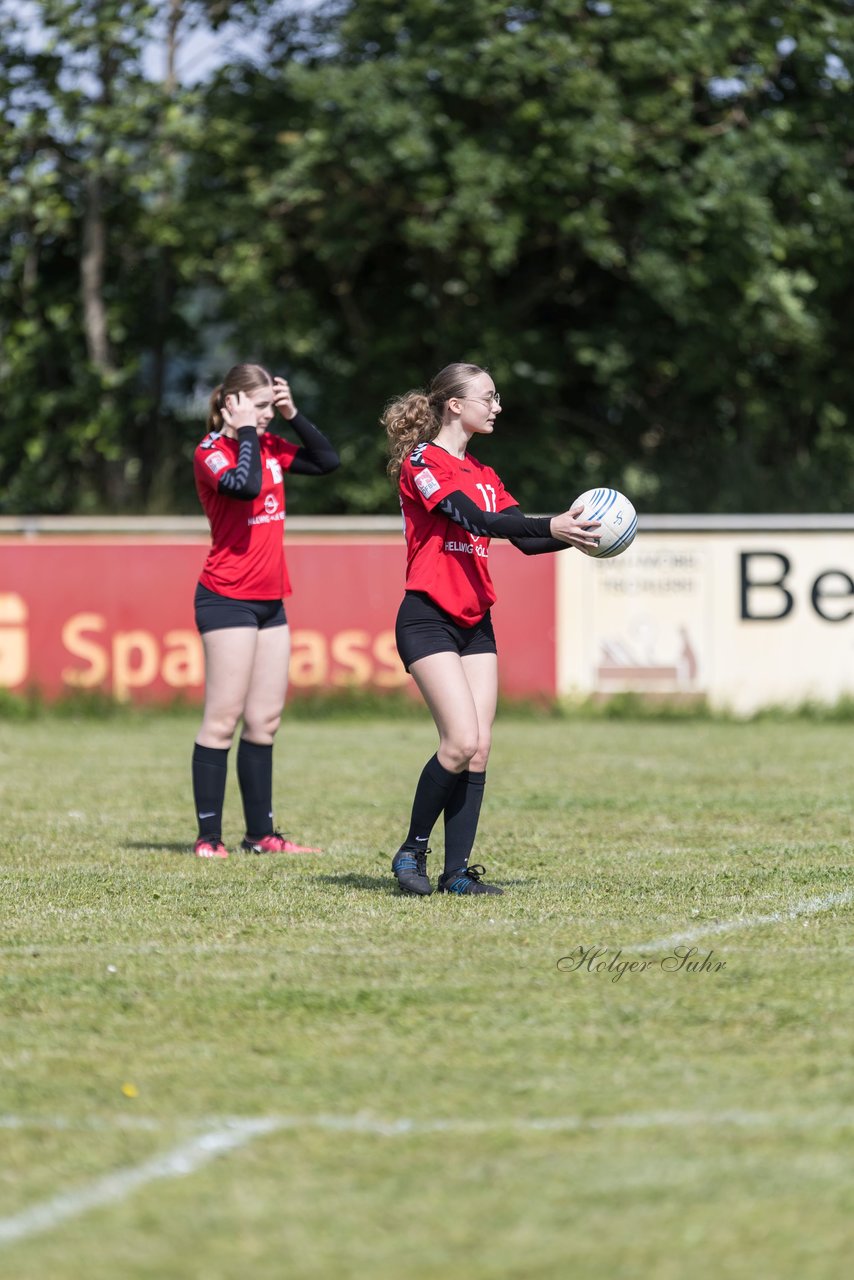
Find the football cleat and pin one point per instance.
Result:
(209, 847)
(275, 842)
(410, 868)
(466, 880)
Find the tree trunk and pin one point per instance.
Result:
(92, 263)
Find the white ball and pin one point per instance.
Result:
(619, 520)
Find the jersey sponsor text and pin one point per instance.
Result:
(267, 518)
(469, 548)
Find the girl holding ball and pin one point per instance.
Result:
(452, 505)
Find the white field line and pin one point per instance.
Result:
(177, 1163)
(808, 907)
(233, 1133)
(836, 1118)
(195, 1153)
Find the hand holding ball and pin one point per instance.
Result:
(618, 521)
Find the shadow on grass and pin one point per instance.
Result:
(386, 884)
(161, 846)
(349, 880)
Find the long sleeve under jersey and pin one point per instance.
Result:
(316, 455)
(243, 480)
(531, 534)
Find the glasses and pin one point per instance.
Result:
(495, 399)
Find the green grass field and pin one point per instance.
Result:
(280, 1067)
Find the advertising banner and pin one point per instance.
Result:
(115, 615)
(746, 619)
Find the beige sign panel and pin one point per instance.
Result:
(745, 619)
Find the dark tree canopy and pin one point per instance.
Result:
(637, 214)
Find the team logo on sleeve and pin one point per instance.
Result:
(427, 482)
(216, 462)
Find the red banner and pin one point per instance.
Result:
(117, 616)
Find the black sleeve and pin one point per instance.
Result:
(493, 524)
(540, 546)
(316, 456)
(243, 481)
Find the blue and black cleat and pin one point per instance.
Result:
(466, 880)
(410, 867)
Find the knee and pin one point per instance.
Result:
(479, 760)
(457, 753)
(218, 730)
(261, 729)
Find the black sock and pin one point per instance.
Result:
(431, 795)
(210, 765)
(461, 817)
(255, 776)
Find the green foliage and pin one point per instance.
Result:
(638, 215)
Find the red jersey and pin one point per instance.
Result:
(247, 555)
(448, 564)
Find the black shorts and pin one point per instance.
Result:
(423, 628)
(213, 612)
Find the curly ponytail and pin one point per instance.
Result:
(417, 416)
(409, 420)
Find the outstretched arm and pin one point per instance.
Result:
(511, 523)
(514, 525)
(539, 546)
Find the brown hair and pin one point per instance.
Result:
(242, 377)
(416, 416)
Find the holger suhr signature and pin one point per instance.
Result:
(681, 959)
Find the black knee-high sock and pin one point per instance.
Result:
(461, 818)
(255, 776)
(210, 765)
(431, 795)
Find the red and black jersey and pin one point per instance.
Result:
(247, 556)
(446, 562)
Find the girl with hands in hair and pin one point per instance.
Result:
(239, 470)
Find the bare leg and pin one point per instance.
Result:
(268, 686)
(481, 672)
(229, 660)
(461, 695)
(229, 654)
(462, 810)
(262, 714)
(442, 682)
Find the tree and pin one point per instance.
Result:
(90, 166)
(638, 214)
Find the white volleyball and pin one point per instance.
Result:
(618, 520)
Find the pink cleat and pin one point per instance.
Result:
(209, 847)
(275, 843)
